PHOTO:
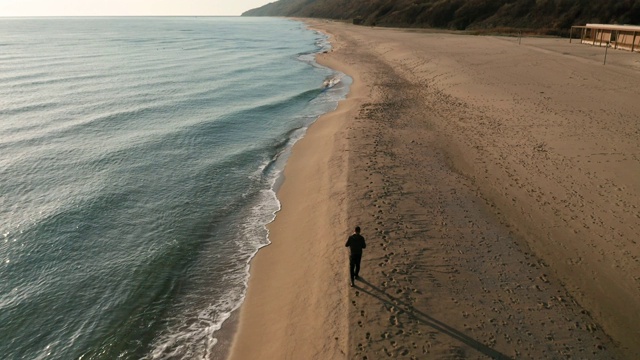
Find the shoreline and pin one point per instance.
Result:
(276, 307)
(468, 162)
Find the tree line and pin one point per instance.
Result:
(550, 16)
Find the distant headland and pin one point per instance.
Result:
(553, 17)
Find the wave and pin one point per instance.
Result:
(27, 76)
(332, 80)
(122, 118)
(279, 148)
(52, 81)
(36, 106)
(295, 99)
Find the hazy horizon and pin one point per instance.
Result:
(125, 8)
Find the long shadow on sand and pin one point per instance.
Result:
(429, 321)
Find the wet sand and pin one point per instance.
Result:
(497, 186)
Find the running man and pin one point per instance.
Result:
(355, 243)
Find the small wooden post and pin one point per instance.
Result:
(633, 43)
(605, 53)
(570, 34)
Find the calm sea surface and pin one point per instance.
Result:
(138, 158)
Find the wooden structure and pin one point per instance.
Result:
(625, 37)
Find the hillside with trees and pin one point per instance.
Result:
(550, 15)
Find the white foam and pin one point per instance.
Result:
(195, 338)
(332, 80)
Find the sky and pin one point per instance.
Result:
(126, 7)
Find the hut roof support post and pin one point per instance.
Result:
(633, 43)
(570, 34)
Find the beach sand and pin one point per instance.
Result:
(497, 186)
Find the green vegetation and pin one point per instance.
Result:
(547, 16)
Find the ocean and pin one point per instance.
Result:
(139, 164)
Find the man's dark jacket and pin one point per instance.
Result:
(356, 243)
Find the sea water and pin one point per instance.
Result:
(138, 160)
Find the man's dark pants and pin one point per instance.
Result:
(354, 265)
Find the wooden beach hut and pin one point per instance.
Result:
(625, 37)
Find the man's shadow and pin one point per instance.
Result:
(428, 320)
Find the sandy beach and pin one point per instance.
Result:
(497, 185)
